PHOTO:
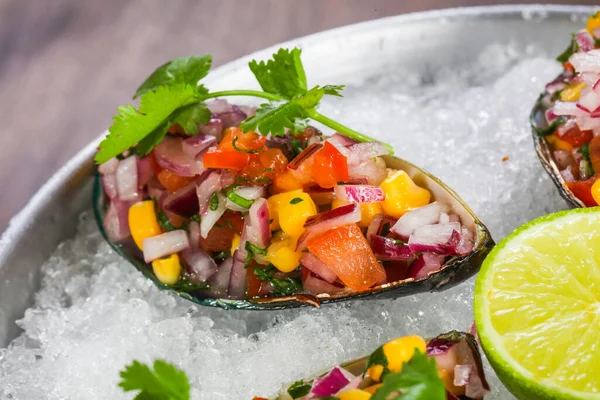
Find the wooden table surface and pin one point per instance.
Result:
(66, 64)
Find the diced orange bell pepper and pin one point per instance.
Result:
(583, 191)
(346, 251)
(329, 166)
(235, 139)
(226, 159)
(171, 181)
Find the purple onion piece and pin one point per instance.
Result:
(316, 266)
(199, 265)
(426, 215)
(198, 144)
(359, 193)
(327, 220)
(238, 279)
(425, 264)
(331, 383)
(165, 244)
(127, 178)
(388, 249)
(219, 282)
(259, 233)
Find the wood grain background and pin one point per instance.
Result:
(66, 64)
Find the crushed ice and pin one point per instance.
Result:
(95, 312)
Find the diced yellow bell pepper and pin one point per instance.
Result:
(402, 194)
(293, 213)
(558, 144)
(143, 222)
(367, 211)
(274, 202)
(235, 243)
(372, 389)
(572, 92)
(397, 352)
(282, 254)
(354, 394)
(593, 22)
(596, 191)
(167, 270)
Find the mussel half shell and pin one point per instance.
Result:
(453, 272)
(539, 128)
(467, 352)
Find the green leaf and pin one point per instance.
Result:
(190, 116)
(283, 74)
(286, 286)
(418, 380)
(265, 273)
(222, 256)
(185, 70)
(131, 126)
(184, 285)
(214, 201)
(378, 357)
(299, 389)
(239, 200)
(565, 55)
(164, 382)
(296, 200)
(273, 119)
(162, 218)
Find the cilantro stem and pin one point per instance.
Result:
(351, 133)
(252, 93)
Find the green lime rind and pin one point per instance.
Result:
(518, 380)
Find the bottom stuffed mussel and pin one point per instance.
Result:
(446, 367)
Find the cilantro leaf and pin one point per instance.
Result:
(299, 389)
(131, 126)
(190, 116)
(164, 382)
(283, 75)
(418, 380)
(286, 286)
(265, 273)
(185, 70)
(565, 55)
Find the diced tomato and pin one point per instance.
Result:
(568, 66)
(155, 165)
(329, 166)
(346, 251)
(263, 167)
(595, 154)
(171, 181)
(256, 287)
(225, 159)
(245, 141)
(396, 270)
(583, 191)
(221, 235)
(577, 137)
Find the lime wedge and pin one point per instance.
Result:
(537, 307)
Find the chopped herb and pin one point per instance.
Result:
(162, 218)
(585, 166)
(235, 147)
(584, 151)
(271, 221)
(195, 217)
(265, 273)
(241, 179)
(239, 200)
(556, 95)
(297, 146)
(263, 179)
(252, 250)
(378, 357)
(222, 256)
(396, 241)
(299, 389)
(184, 285)
(286, 286)
(385, 229)
(214, 201)
(565, 55)
(164, 381)
(545, 131)
(268, 169)
(296, 200)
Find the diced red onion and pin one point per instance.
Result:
(353, 384)
(327, 220)
(437, 238)
(425, 264)
(218, 106)
(249, 111)
(361, 152)
(194, 234)
(584, 40)
(283, 144)
(319, 195)
(465, 245)
(462, 374)
(127, 178)
(198, 144)
(239, 277)
(426, 215)
(331, 383)
(145, 171)
(550, 116)
(250, 192)
(314, 139)
(388, 249)
(109, 184)
(109, 167)
(259, 232)
(374, 225)
(304, 155)
(314, 284)
(589, 99)
(556, 85)
(214, 127)
(199, 265)
(444, 218)
(219, 282)
(568, 108)
(373, 170)
(183, 202)
(338, 139)
(359, 193)
(567, 174)
(165, 244)
(227, 177)
(211, 217)
(115, 221)
(312, 262)
(230, 116)
(170, 155)
(563, 158)
(207, 184)
(586, 61)
(567, 126)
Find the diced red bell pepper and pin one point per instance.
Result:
(346, 251)
(583, 191)
(577, 137)
(329, 166)
(226, 159)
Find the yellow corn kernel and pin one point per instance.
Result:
(399, 351)
(593, 22)
(367, 211)
(572, 92)
(167, 270)
(558, 144)
(293, 213)
(283, 256)
(235, 243)
(372, 389)
(402, 194)
(354, 394)
(274, 202)
(143, 222)
(596, 191)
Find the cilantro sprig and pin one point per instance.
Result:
(163, 382)
(173, 94)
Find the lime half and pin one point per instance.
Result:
(537, 307)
